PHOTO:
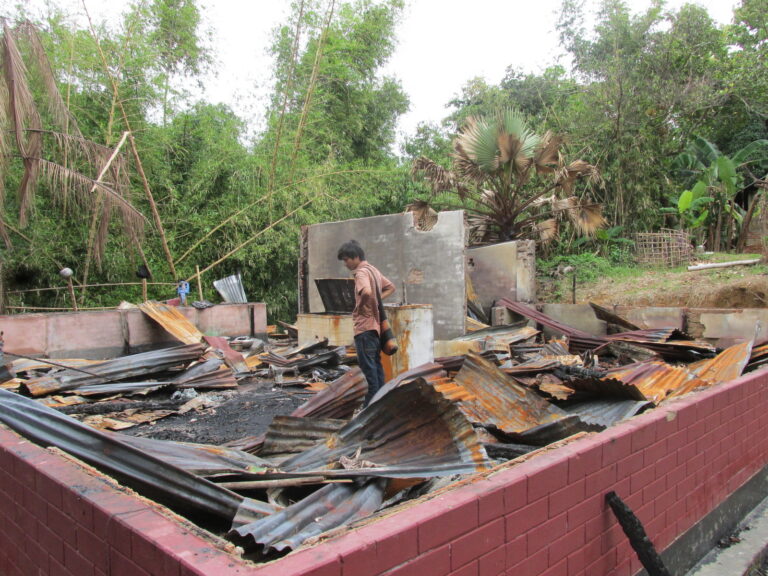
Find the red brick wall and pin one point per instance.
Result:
(544, 517)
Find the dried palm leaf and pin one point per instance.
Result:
(477, 141)
(547, 157)
(56, 106)
(587, 218)
(424, 217)
(440, 179)
(547, 230)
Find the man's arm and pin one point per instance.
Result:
(387, 288)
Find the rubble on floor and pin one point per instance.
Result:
(327, 462)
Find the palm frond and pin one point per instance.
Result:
(478, 142)
(547, 230)
(56, 106)
(586, 218)
(424, 217)
(547, 158)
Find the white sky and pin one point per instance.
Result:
(441, 45)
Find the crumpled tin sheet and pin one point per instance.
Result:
(329, 507)
(669, 343)
(412, 432)
(607, 412)
(198, 459)
(498, 401)
(500, 337)
(151, 476)
(758, 357)
(120, 368)
(430, 371)
(611, 318)
(172, 321)
(291, 434)
(656, 380)
(728, 365)
(231, 289)
(578, 340)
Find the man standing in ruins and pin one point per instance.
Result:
(369, 283)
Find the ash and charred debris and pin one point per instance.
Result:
(325, 463)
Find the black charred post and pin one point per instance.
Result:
(638, 539)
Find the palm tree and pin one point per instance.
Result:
(60, 154)
(514, 183)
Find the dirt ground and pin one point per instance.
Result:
(737, 287)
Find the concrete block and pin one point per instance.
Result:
(653, 317)
(735, 325)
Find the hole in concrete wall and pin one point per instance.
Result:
(424, 217)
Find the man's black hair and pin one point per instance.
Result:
(351, 249)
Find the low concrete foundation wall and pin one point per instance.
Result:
(109, 333)
(543, 517)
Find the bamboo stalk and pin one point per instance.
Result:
(286, 94)
(106, 285)
(199, 284)
(312, 84)
(269, 195)
(251, 239)
(137, 159)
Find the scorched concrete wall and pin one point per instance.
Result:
(427, 267)
(110, 333)
(543, 517)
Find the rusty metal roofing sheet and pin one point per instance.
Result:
(120, 368)
(669, 343)
(329, 507)
(231, 357)
(173, 321)
(198, 459)
(500, 337)
(339, 400)
(411, 432)
(607, 412)
(579, 340)
(728, 365)
(291, 434)
(498, 401)
(608, 316)
(758, 357)
(149, 475)
(429, 371)
(656, 380)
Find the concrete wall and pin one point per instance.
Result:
(542, 517)
(506, 270)
(109, 333)
(427, 267)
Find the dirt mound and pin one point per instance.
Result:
(719, 288)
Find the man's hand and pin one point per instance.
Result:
(387, 292)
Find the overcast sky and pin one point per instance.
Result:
(441, 45)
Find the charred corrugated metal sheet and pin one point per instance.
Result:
(607, 412)
(339, 400)
(337, 294)
(291, 434)
(231, 289)
(172, 321)
(151, 476)
(758, 357)
(669, 343)
(231, 357)
(500, 337)
(412, 432)
(429, 372)
(198, 459)
(500, 403)
(329, 507)
(120, 368)
(611, 318)
(579, 341)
